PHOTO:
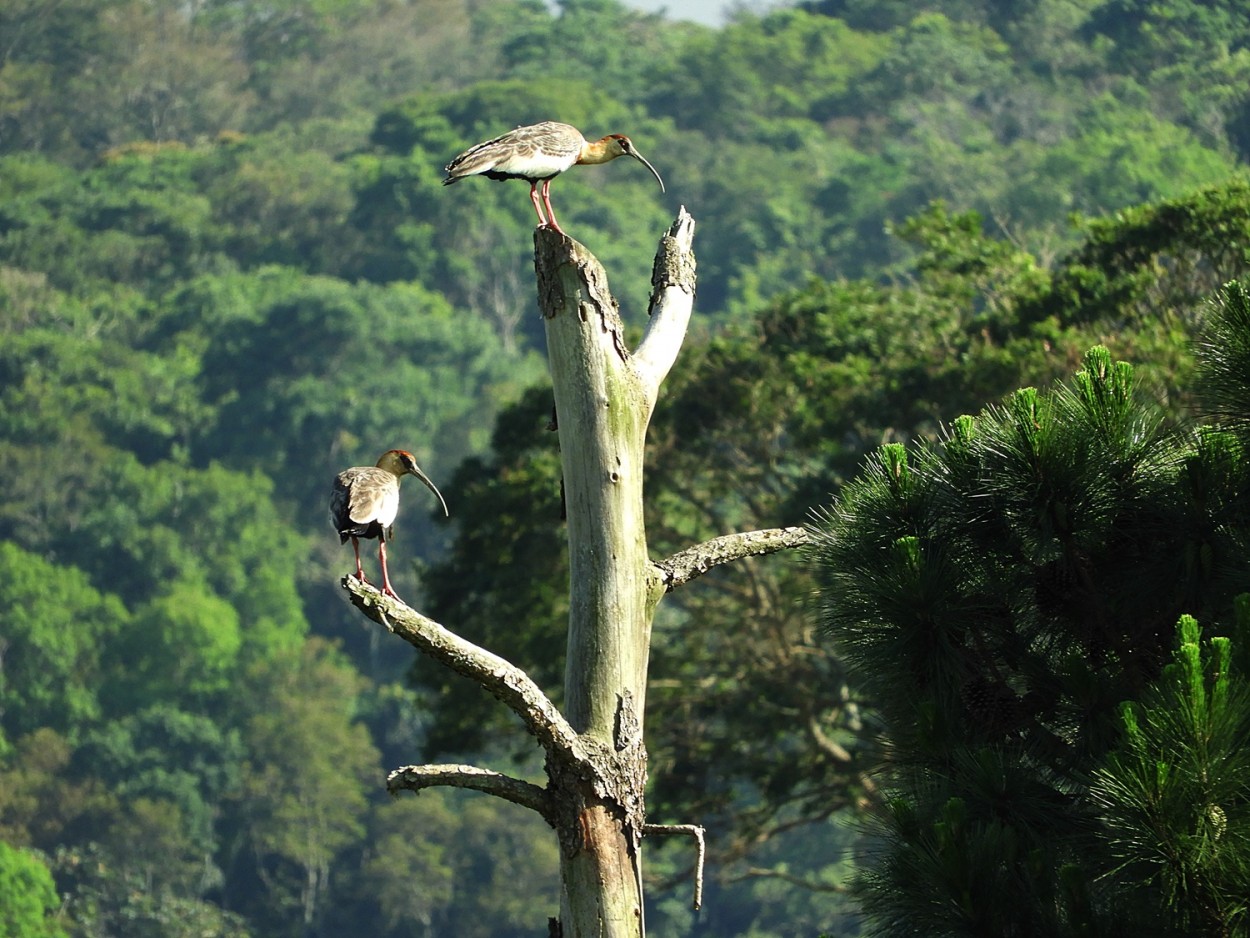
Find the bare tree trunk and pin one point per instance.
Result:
(596, 761)
(602, 411)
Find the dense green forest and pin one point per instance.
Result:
(228, 270)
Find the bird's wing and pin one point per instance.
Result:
(552, 137)
(363, 495)
(542, 149)
(340, 498)
(374, 497)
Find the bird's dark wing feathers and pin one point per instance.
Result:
(549, 136)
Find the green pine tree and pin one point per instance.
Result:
(1174, 795)
(1001, 594)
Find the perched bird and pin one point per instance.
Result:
(365, 500)
(539, 153)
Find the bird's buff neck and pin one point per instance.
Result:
(601, 151)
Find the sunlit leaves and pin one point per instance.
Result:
(328, 371)
(88, 391)
(28, 896)
(139, 529)
(183, 645)
(1121, 157)
(742, 81)
(587, 39)
(54, 628)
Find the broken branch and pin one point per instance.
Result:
(419, 777)
(688, 830)
(672, 302)
(695, 561)
(502, 679)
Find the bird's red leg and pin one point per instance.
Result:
(542, 219)
(387, 589)
(551, 212)
(360, 571)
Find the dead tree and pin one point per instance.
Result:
(596, 763)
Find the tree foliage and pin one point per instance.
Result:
(55, 627)
(27, 896)
(999, 596)
(1172, 796)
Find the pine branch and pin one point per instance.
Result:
(419, 777)
(692, 562)
(502, 679)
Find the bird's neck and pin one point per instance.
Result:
(598, 152)
(386, 466)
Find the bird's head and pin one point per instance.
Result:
(400, 462)
(620, 145)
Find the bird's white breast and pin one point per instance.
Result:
(535, 163)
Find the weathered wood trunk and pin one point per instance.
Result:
(602, 411)
(602, 414)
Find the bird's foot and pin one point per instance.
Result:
(387, 591)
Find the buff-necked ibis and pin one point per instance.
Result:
(539, 153)
(365, 500)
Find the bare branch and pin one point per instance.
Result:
(672, 301)
(692, 562)
(502, 679)
(419, 777)
(689, 830)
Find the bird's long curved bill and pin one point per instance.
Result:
(638, 156)
(433, 488)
